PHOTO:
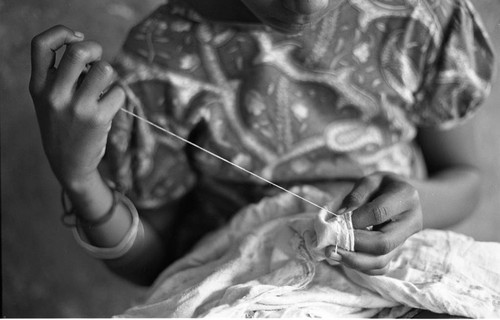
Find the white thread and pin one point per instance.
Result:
(225, 160)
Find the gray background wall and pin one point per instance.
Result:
(44, 273)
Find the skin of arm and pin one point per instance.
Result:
(74, 119)
(397, 207)
(452, 190)
(446, 197)
(149, 254)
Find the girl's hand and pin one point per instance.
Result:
(74, 118)
(391, 206)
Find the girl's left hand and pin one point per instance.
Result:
(392, 207)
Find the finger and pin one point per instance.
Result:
(392, 199)
(406, 224)
(364, 261)
(44, 47)
(389, 235)
(360, 193)
(378, 272)
(96, 81)
(382, 242)
(73, 62)
(331, 253)
(112, 101)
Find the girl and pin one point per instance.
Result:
(348, 96)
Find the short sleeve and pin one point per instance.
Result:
(150, 166)
(459, 70)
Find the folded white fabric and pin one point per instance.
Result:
(269, 262)
(324, 230)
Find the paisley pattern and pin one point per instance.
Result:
(341, 100)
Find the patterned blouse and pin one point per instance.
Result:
(338, 101)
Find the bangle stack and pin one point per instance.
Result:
(70, 219)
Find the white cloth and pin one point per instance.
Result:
(269, 262)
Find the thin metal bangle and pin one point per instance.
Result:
(70, 219)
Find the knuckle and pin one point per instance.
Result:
(384, 245)
(120, 95)
(410, 193)
(353, 198)
(413, 194)
(60, 27)
(37, 41)
(77, 52)
(380, 214)
(371, 181)
(41, 40)
(95, 46)
(55, 99)
(80, 112)
(380, 264)
(383, 261)
(379, 272)
(85, 114)
(100, 120)
(102, 68)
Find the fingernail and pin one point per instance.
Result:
(341, 251)
(342, 210)
(331, 253)
(335, 256)
(78, 34)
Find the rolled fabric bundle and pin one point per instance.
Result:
(334, 228)
(327, 230)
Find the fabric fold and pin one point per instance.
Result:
(269, 262)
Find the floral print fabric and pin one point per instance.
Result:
(338, 101)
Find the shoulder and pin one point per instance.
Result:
(437, 16)
(460, 28)
(460, 68)
(444, 9)
(447, 15)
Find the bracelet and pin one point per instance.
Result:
(69, 218)
(123, 246)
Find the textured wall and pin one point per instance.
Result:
(44, 272)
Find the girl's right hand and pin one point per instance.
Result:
(74, 118)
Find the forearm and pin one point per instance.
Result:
(448, 196)
(147, 257)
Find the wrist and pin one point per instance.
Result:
(82, 185)
(449, 196)
(91, 196)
